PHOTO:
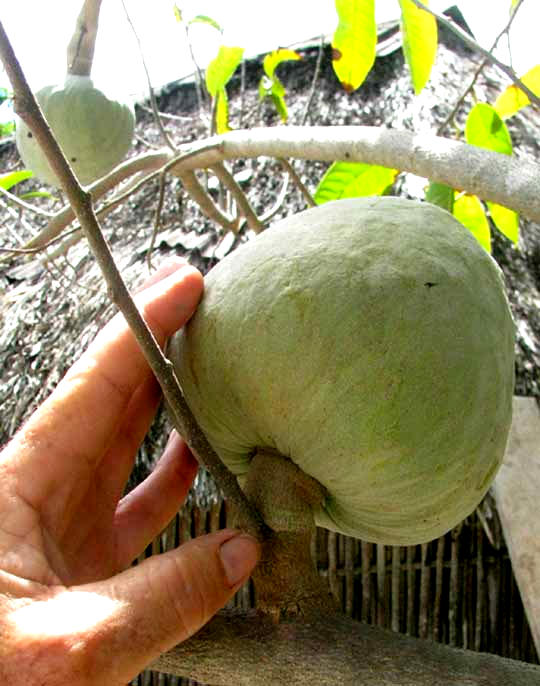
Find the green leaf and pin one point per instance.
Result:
(7, 181)
(222, 112)
(419, 29)
(7, 128)
(470, 212)
(486, 129)
(222, 67)
(276, 57)
(35, 194)
(513, 98)
(506, 220)
(203, 19)
(441, 195)
(269, 85)
(4, 95)
(352, 180)
(354, 43)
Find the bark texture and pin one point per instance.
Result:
(252, 650)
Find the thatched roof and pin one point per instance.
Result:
(52, 309)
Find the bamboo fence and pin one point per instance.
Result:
(458, 589)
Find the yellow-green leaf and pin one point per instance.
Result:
(269, 85)
(10, 179)
(353, 180)
(506, 220)
(272, 59)
(222, 112)
(354, 42)
(513, 98)
(177, 13)
(222, 67)
(470, 212)
(486, 129)
(419, 30)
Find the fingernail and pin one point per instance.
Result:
(239, 555)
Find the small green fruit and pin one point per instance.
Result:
(93, 131)
(370, 341)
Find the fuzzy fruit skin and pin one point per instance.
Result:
(93, 131)
(371, 341)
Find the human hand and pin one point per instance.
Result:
(72, 610)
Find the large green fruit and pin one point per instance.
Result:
(371, 342)
(93, 131)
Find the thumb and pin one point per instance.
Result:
(166, 599)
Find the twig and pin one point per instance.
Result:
(151, 93)
(198, 73)
(313, 83)
(297, 181)
(81, 201)
(469, 42)
(157, 221)
(228, 180)
(242, 93)
(25, 205)
(33, 251)
(279, 202)
(167, 115)
(66, 215)
(195, 189)
(480, 69)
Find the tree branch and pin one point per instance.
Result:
(80, 52)
(81, 201)
(473, 45)
(480, 69)
(249, 649)
(503, 179)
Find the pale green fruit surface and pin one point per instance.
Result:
(370, 340)
(93, 131)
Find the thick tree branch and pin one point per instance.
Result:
(500, 178)
(492, 176)
(250, 650)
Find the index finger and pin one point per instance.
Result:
(71, 431)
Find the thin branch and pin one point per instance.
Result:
(64, 217)
(81, 201)
(196, 190)
(316, 73)
(25, 205)
(33, 251)
(151, 93)
(291, 171)
(157, 221)
(480, 69)
(228, 180)
(159, 161)
(267, 216)
(473, 45)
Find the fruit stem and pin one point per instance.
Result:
(286, 579)
(80, 51)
